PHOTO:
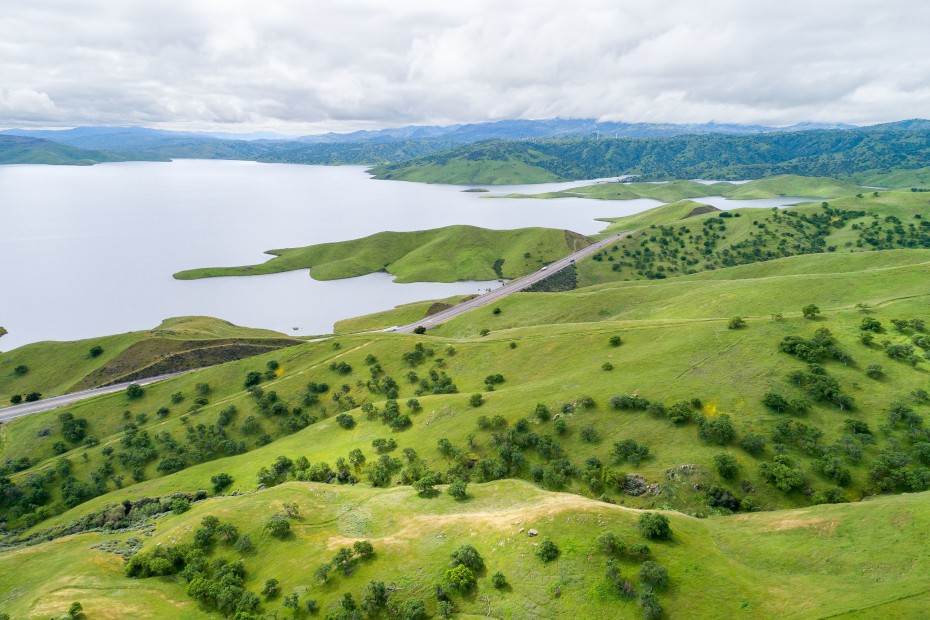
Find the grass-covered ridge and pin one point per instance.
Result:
(438, 255)
(812, 562)
(23, 150)
(773, 187)
(829, 153)
(54, 368)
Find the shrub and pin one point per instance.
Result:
(498, 580)
(476, 400)
(736, 322)
(271, 589)
(615, 341)
(20, 370)
(345, 421)
(874, 371)
(609, 543)
(221, 481)
(419, 330)
(753, 443)
(96, 351)
(654, 576)
(607, 366)
(460, 578)
(810, 311)
(654, 525)
(278, 526)
(134, 391)
(458, 490)
(468, 556)
(727, 466)
(547, 550)
(718, 430)
(244, 544)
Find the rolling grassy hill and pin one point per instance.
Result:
(439, 255)
(177, 344)
(567, 413)
(25, 150)
(810, 563)
(773, 187)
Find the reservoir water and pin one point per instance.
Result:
(89, 251)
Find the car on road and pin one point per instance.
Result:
(544, 267)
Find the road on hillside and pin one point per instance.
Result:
(514, 286)
(16, 411)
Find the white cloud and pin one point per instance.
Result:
(302, 66)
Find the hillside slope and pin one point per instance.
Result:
(55, 368)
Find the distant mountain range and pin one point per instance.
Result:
(553, 128)
(621, 147)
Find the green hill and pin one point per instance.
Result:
(827, 153)
(23, 150)
(815, 562)
(774, 187)
(439, 255)
(788, 449)
(55, 368)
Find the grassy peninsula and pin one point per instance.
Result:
(439, 255)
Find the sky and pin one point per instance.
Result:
(312, 66)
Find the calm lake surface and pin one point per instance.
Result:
(89, 251)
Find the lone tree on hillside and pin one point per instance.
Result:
(810, 311)
(654, 525)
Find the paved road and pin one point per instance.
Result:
(16, 411)
(514, 286)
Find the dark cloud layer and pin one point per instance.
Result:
(299, 66)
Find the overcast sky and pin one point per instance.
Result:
(318, 65)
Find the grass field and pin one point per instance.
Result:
(439, 255)
(816, 562)
(919, 177)
(401, 315)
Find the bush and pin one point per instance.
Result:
(278, 526)
(547, 550)
(718, 430)
(221, 481)
(874, 371)
(345, 421)
(753, 443)
(498, 580)
(468, 556)
(736, 322)
(653, 576)
(476, 400)
(727, 466)
(609, 543)
(460, 578)
(615, 341)
(607, 366)
(419, 330)
(20, 370)
(244, 544)
(458, 490)
(96, 351)
(271, 589)
(810, 311)
(654, 525)
(134, 391)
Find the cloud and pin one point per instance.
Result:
(298, 66)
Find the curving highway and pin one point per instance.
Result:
(514, 286)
